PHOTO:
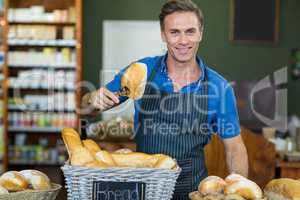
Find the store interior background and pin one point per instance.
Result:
(236, 62)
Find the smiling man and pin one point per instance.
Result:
(184, 102)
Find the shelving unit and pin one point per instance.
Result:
(42, 66)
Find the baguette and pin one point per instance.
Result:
(91, 145)
(283, 189)
(106, 157)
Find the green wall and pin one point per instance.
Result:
(235, 62)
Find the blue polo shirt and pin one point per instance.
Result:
(222, 112)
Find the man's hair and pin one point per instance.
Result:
(180, 6)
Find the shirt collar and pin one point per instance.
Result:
(164, 69)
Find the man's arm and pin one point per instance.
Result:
(236, 155)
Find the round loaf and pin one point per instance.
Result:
(245, 188)
(13, 181)
(211, 185)
(36, 179)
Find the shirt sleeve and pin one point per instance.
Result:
(115, 84)
(227, 123)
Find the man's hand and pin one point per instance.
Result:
(101, 99)
(236, 155)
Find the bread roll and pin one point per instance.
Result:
(91, 145)
(134, 79)
(211, 185)
(234, 178)
(283, 189)
(245, 188)
(216, 196)
(3, 190)
(36, 179)
(13, 181)
(195, 195)
(233, 197)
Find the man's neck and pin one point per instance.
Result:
(182, 68)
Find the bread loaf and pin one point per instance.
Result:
(195, 195)
(106, 157)
(13, 181)
(283, 189)
(165, 162)
(211, 184)
(36, 179)
(245, 188)
(134, 80)
(234, 178)
(3, 190)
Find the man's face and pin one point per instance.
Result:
(182, 35)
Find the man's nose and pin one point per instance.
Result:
(183, 39)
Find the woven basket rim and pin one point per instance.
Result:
(67, 165)
(54, 187)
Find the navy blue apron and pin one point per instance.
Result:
(175, 124)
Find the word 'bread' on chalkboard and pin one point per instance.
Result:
(255, 21)
(108, 190)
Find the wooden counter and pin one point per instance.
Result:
(289, 169)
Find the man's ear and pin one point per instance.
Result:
(162, 35)
(201, 34)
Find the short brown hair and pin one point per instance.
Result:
(180, 6)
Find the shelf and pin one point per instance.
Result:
(56, 164)
(49, 89)
(46, 66)
(42, 23)
(24, 109)
(35, 129)
(54, 43)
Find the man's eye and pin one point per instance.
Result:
(190, 32)
(174, 32)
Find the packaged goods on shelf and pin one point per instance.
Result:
(31, 120)
(46, 57)
(44, 79)
(38, 14)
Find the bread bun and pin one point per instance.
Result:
(211, 185)
(36, 179)
(245, 188)
(283, 188)
(195, 195)
(91, 145)
(13, 181)
(233, 197)
(123, 151)
(134, 79)
(234, 178)
(216, 196)
(3, 190)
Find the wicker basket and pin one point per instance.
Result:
(34, 194)
(160, 183)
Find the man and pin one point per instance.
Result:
(191, 101)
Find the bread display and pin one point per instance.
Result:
(13, 181)
(87, 153)
(36, 179)
(283, 189)
(234, 187)
(134, 80)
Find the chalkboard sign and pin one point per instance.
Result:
(108, 190)
(255, 21)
